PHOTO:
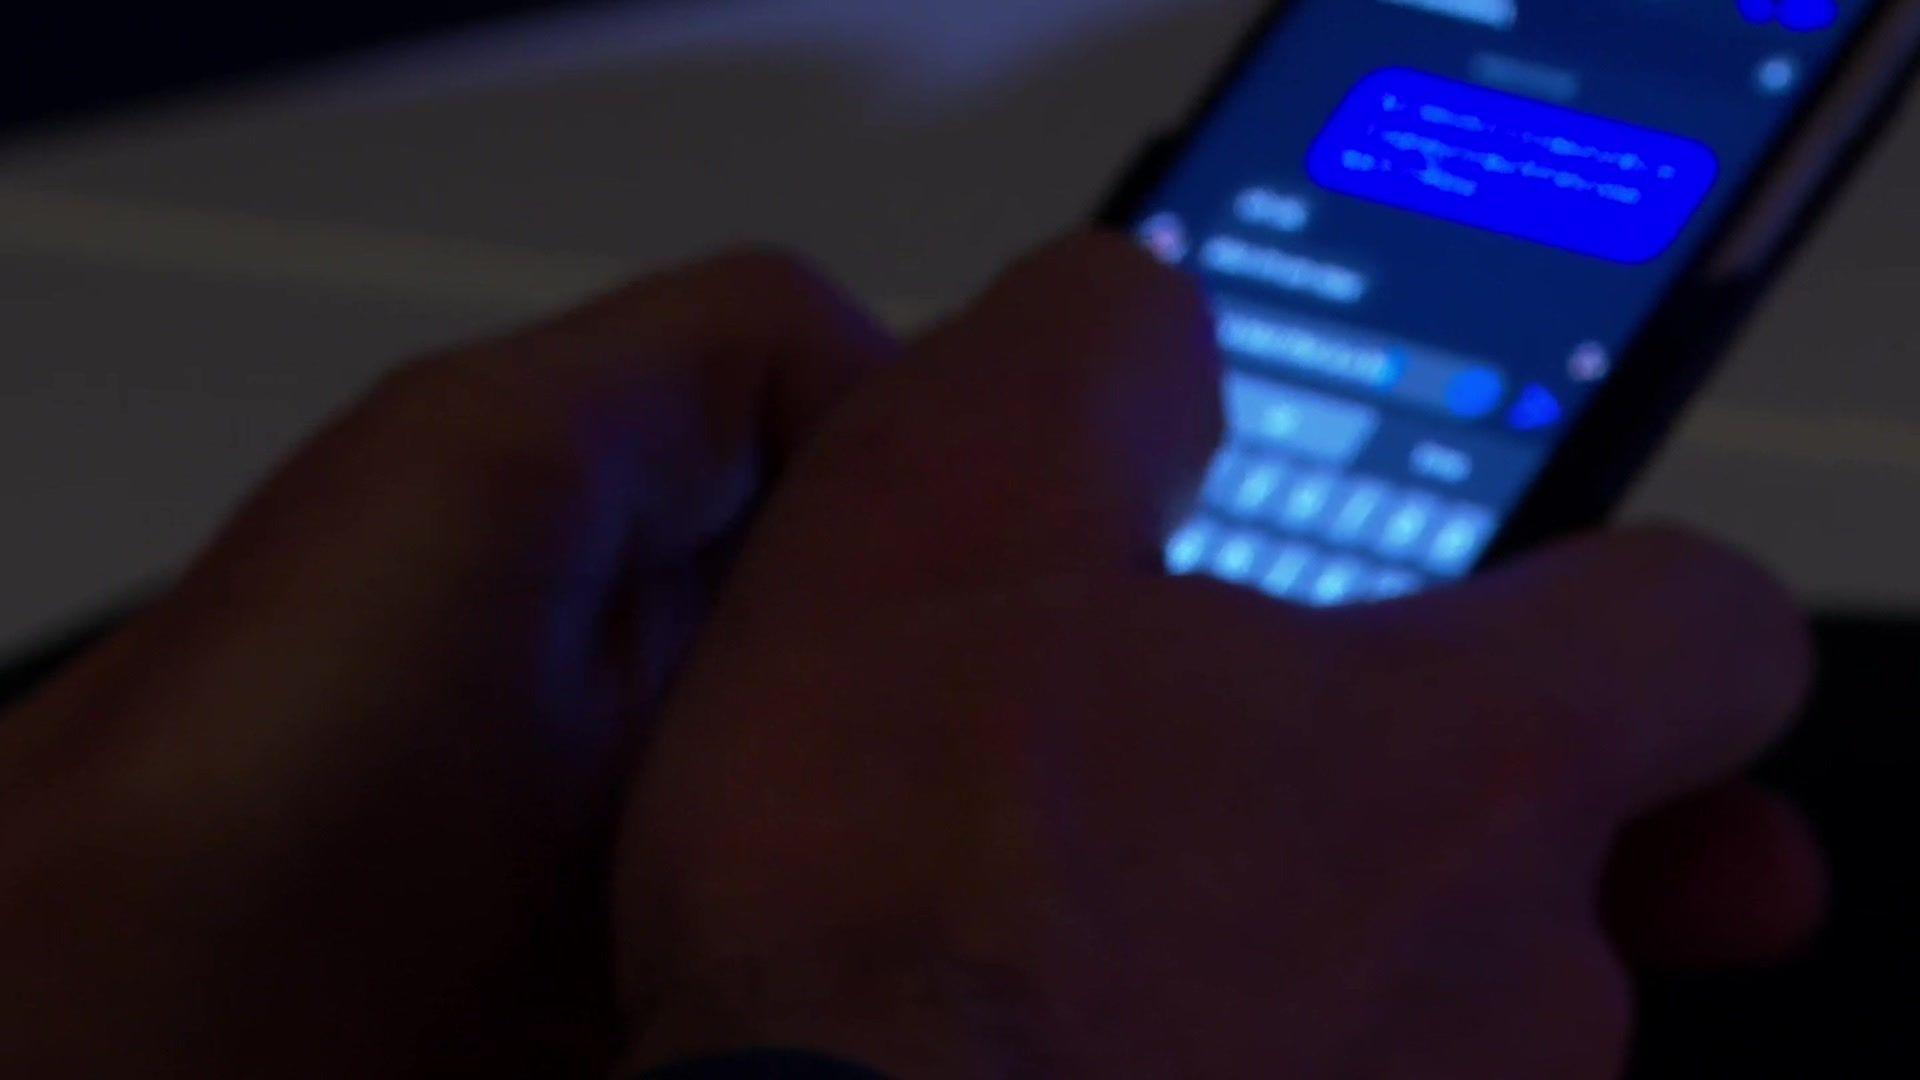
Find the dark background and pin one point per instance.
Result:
(64, 59)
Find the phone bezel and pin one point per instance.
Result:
(1671, 357)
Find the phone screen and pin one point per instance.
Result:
(1429, 228)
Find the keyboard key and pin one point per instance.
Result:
(1288, 569)
(1240, 557)
(1338, 582)
(1358, 509)
(1191, 546)
(1407, 524)
(1224, 476)
(1306, 504)
(1460, 540)
(1441, 463)
(1394, 584)
(1256, 488)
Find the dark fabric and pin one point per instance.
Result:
(764, 1065)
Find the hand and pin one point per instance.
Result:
(957, 784)
(338, 804)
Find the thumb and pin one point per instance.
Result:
(1056, 427)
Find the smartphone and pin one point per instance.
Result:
(1469, 258)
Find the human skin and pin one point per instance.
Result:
(343, 801)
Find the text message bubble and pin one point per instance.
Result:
(1514, 166)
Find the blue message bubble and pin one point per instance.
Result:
(1513, 165)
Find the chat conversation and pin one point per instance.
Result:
(1512, 165)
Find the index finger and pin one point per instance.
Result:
(1055, 427)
